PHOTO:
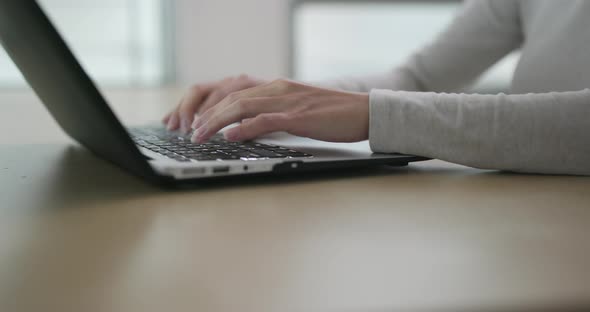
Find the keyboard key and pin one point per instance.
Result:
(228, 157)
(178, 147)
(263, 153)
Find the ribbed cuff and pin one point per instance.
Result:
(397, 119)
(386, 129)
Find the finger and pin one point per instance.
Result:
(167, 118)
(173, 122)
(214, 98)
(237, 111)
(191, 103)
(246, 120)
(258, 126)
(266, 90)
(238, 84)
(270, 90)
(217, 94)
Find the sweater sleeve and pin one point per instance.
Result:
(482, 33)
(536, 133)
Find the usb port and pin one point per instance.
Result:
(221, 169)
(193, 171)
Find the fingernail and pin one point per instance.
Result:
(194, 137)
(197, 135)
(171, 122)
(197, 139)
(230, 136)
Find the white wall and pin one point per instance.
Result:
(218, 38)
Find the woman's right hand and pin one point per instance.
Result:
(201, 97)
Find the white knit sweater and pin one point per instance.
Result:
(542, 126)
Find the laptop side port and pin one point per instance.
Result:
(221, 169)
(193, 171)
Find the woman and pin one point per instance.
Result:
(543, 126)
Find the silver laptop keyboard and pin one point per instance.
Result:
(180, 148)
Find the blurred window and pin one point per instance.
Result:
(344, 38)
(119, 42)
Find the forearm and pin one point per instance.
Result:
(540, 133)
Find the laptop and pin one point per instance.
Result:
(151, 152)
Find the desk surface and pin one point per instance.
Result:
(77, 234)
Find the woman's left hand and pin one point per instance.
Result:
(283, 105)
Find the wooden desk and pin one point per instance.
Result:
(77, 234)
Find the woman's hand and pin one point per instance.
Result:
(204, 96)
(284, 105)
